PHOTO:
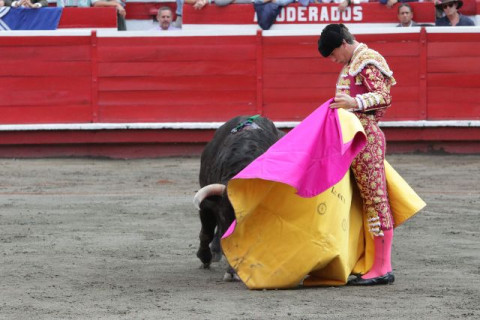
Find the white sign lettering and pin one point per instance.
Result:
(312, 14)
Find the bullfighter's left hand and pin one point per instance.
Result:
(343, 101)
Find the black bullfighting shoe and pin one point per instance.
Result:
(389, 278)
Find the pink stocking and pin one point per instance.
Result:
(382, 260)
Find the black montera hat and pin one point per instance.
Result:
(330, 39)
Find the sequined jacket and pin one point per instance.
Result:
(368, 79)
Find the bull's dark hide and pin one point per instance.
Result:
(223, 157)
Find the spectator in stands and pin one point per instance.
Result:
(164, 18)
(452, 16)
(282, 3)
(74, 3)
(267, 11)
(391, 3)
(405, 16)
(343, 4)
(199, 4)
(5, 3)
(34, 4)
(121, 13)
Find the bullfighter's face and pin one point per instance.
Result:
(341, 54)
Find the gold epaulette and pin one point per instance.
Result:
(364, 56)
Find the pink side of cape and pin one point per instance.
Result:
(311, 158)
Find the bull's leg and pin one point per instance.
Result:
(231, 275)
(206, 236)
(215, 247)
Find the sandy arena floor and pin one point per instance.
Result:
(115, 239)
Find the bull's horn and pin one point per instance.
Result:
(215, 189)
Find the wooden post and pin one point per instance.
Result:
(259, 108)
(94, 70)
(423, 74)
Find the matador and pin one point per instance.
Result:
(363, 87)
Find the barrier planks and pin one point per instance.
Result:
(153, 78)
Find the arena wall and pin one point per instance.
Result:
(136, 94)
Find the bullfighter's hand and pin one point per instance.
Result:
(343, 101)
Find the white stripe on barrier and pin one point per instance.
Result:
(46, 33)
(176, 33)
(469, 29)
(215, 125)
(237, 30)
(281, 30)
(430, 124)
(357, 29)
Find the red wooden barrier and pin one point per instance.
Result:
(453, 69)
(88, 18)
(212, 78)
(45, 79)
(112, 78)
(176, 78)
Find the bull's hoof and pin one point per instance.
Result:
(231, 277)
(205, 266)
(205, 256)
(216, 256)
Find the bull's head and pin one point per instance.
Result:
(216, 212)
(234, 146)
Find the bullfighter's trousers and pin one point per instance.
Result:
(369, 172)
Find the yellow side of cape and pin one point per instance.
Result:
(282, 240)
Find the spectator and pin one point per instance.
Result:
(199, 4)
(405, 16)
(391, 3)
(164, 18)
(74, 3)
(452, 16)
(5, 3)
(268, 10)
(282, 3)
(34, 4)
(121, 13)
(343, 4)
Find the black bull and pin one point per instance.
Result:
(234, 145)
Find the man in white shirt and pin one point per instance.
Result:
(164, 18)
